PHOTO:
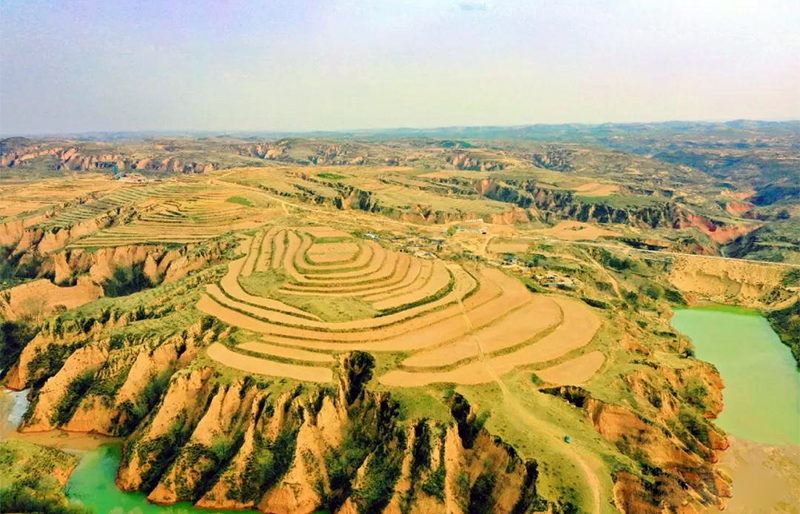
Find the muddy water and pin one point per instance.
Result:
(761, 405)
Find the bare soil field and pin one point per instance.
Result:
(576, 231)
(576, 330)
(510, 247)
(286, 353)
(596, 189)
(574, 371)
(328, 253)
(40, 297)
(224, 355)
(461, 326)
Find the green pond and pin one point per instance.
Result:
(762, 383)
(92, 485)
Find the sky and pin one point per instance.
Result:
(70, 66)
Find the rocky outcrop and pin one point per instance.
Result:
(675, 449)
(242, 445)
(80, 158)
(555, 158)
(37, 299)
(467, 161)
(726, 280)
(60, 394)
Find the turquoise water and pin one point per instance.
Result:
(92, 484)
(762, 383)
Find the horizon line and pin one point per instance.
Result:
(381, 130)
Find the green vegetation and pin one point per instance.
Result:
(786, 322)
(47, 361)
(481, 495)
(158, 454)
(126, 280)
(383, 470)
(28, 479)
(265, 467)
(13, 338)
(330, 176)
(66, 406)
(28, 497)
(329, 308)
(132, 413)
(695, 393)
(239, 200)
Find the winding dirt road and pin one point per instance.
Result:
(511, 401)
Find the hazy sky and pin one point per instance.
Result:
(73, 66)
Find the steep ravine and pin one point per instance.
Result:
(284, 448)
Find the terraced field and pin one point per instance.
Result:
(168, 214)
(454, 323)
(124, 197)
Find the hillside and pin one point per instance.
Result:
(400, 323)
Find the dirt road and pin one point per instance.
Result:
(592, 481)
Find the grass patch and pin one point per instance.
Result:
(330, 176)
(329, 308)
(239, 200)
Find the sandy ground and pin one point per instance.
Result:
(575, 371)
(725, 280)
(252, 256)
(234, 360)
(362, 259)
(230, 284)
(264, 257)
(596, 189)
(13, 405)
(67, 441)
(765, 478)
(575, 231)
(384, 273)
(509, 247)
(278, 244)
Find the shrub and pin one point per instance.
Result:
(617, 263)
(13, 338)
(652, 291)
(378, 485)
(694, 425)
(695, 393)
(69, 400)
(786, 323)
(125, 281)
(330, 176)
(265, 466)
(434, 485)
(481, 496)
(21, 497)
(596, 303)
(674, 296)
(134, 412)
